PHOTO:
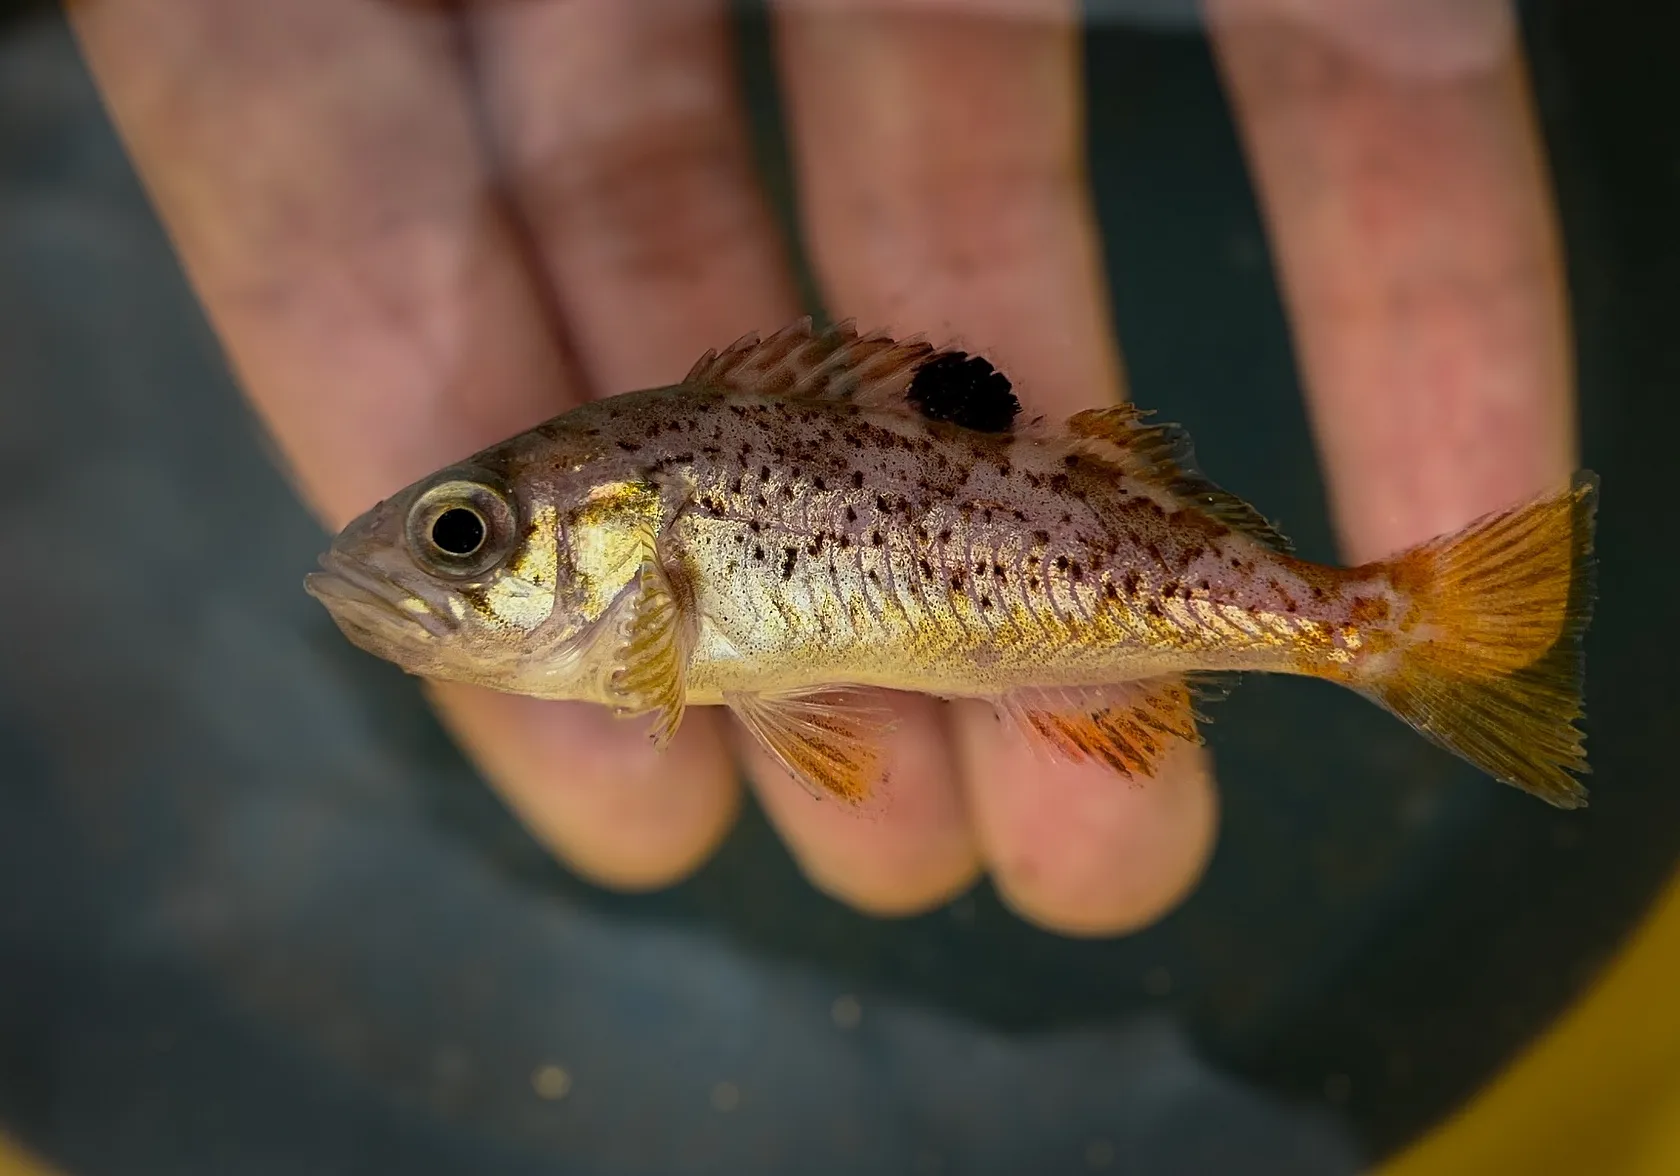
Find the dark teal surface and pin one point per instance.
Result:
(257, 916)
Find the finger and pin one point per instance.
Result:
(624, 144)
(317, 167)
(598, 780)
(623, 134)
(1400, 171)
(942, 165)
(1078, 849)
(911, 849)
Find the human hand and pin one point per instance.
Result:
(419, 229)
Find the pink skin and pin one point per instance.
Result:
(324, 177)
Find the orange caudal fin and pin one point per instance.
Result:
(1491, 667)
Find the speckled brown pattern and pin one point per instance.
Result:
(785, 524)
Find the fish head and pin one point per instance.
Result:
(469, 575)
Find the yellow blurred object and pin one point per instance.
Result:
(14, 1161)
(1598, 1095)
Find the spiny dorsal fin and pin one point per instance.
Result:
(875, 369)
(1162, 454)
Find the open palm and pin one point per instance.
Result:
(421, 228)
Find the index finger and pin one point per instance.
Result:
(318, 165)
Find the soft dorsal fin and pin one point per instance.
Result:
(1162, 454)
(910, 375)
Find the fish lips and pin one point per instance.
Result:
(364, 600)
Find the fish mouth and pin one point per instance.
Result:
(358, 593)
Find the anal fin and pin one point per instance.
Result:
(1130, 727)
(829, 739)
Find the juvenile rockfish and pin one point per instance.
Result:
(805, 520)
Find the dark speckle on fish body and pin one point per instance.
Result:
(823, 509)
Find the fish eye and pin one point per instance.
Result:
(461, 527)
(458, 531)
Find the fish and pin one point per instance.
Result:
(812, 519)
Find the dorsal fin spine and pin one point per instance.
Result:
(882, 372)
(801, 361)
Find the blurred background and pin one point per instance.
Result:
(257, 915)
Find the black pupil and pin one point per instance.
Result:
(458, 531)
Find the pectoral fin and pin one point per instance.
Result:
(829, 739)
(653, 656)
(1129, 727)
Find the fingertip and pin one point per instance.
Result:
(593, 790)
(900, 894)
(1078, 850)
(908, 850)
(1142, 856)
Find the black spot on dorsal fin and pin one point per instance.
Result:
(965, 390)
(875, 370)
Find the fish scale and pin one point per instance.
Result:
(928, 587)
(810, 519)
